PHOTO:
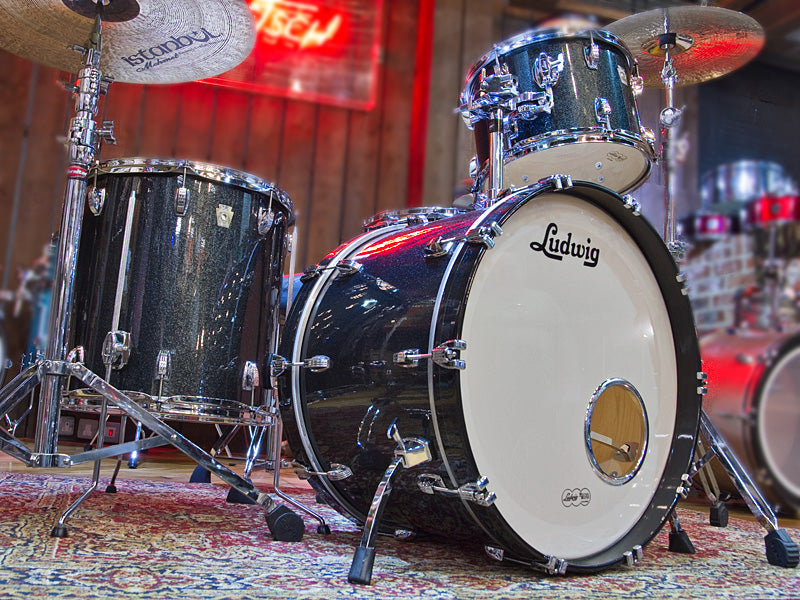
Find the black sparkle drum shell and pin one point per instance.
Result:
(753, 400)
(196, 283)
(592, 132)
(542, 335)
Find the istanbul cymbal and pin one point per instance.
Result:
(143, 41)
(704, 42)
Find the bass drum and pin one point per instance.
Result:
(753, 390)
(564, 370)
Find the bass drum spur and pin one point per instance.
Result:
(544, 344)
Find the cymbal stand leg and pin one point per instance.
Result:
(780, 548)
(718, 516)
(133, 458)
(223, 446)
(275, 438)
(111, 488)
(60, 528)
(83, 139)
(254, 448)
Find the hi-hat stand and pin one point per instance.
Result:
(59, 364)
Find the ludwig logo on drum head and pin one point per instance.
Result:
(557, 248)
(576, 497)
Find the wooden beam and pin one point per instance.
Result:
(535, 10)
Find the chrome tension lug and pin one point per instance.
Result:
(277, 365)
(250, 377)
(476, 492)
(632, 204)
(484, 235)
(337, 472)
(116, 349)
(591, 53)
(315, 364)
(555, 566)
(311, 273)
(448, 354)
(77, 355)
(96, 200)
(348, 267)
(445, 355)
(559, 182)
(408, 358)
(497, 554)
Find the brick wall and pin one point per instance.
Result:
(719, 271)
(715, 271)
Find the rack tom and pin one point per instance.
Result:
(571, 109)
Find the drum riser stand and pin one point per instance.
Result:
(52, 371)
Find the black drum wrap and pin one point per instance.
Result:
(400, 297)
(200, 283)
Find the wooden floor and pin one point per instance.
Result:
(157, 464)
(169, 464)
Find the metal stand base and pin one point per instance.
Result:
(284, 524)
(781, 550)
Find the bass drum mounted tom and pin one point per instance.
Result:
(753, 391)
(575, 112)
(544, 343)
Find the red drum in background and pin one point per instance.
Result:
(754, 400)
(705, 226)
(773, 210)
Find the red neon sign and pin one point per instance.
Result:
(316, 50)
(297, 25)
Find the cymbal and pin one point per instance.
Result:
(143, 41)
(705, 42)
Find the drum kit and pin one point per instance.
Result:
(523, 373)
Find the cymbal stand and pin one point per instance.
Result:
(780, 548)
(59, 365)
(670, 120)
(82, 140)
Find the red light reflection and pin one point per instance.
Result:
(411, 237)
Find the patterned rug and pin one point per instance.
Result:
(176, 541)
